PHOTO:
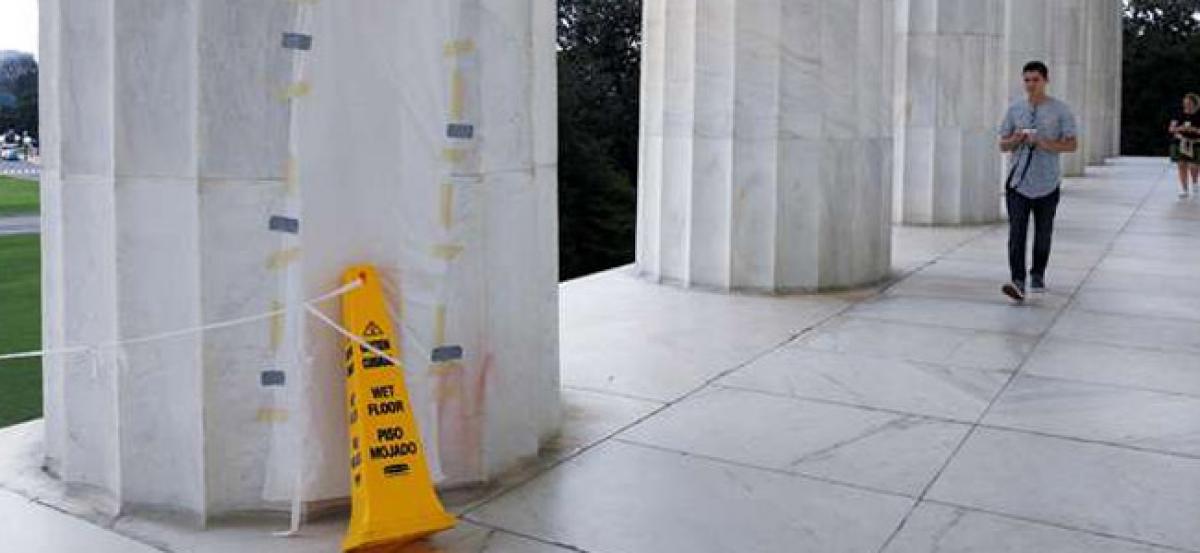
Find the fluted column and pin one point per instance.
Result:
(766, 143)
(210, 160)
(1115, 85)
(1104, 69)
(1055, 32)
(948, 76)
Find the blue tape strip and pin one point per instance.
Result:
(460, 131)
(297, 41)
(273, 378)
(284, 224)
(447, 353)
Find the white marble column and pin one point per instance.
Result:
(766, 143)
(426, 142)
(948, 98)
(1054, 32)
(1104, 79)
(1116, 96)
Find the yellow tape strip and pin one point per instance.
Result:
(291, 176)
(459, 47)
(269, 415)
(454, 155)
(276, 326)
(295, 90)
(447, 252)
(283, 258)
(439, 324)
(447, 211)
(458, 96)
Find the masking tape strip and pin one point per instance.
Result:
(283, 258)
(297, 41)
(447, 252)
(458, 96)
(269, 415)
(454, 155)
(295, 90)
(276, 325)
(439, 324)
(445, 354)
(459, 47)
(290, 175)
(447, 205)
(272, 378)
(460, 131)
(280, 223)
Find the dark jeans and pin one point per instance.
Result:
(1019, 208)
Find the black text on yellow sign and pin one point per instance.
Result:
(392, 495)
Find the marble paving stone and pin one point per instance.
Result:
(1116, 491)
(627, 336)
(1171, 372)
(913, 247)
(623, 497)
(322, 537)
(895, 453)
(1152, 225)
(1137, 418)
(1151, 332)
(1063, 255)
(936, 528)
(1031, 319)
(1058, 278)
(944, 346)
(983, 291)
(882, 383)
(1148, 266)
(26, 526)
(1171, 246)
(588, 417)
(1150, 285)
(1140, 303)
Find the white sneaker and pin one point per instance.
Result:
(1183, 194)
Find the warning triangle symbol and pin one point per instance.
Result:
(372, 330)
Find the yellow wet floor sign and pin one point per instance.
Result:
(392, 496)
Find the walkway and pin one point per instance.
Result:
(20, 224)
(930, 416)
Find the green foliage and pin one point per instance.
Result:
(20, 328)
(1162, 49)
(18, 196)
(598, 78)
(18, 92)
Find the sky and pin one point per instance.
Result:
(19, 25)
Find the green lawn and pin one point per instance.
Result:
(20, 327)
(18, 197)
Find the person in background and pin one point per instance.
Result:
(1185, 143)
(1036, 130)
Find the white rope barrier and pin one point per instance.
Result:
(337, 293)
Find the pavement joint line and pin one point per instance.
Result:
(1059, 526)
(877, 291)
(531, 537)
(1041, 338)
(964, 422)
(773, 470)
(804, 348)
(612, 393)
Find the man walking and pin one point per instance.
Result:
(1036, 130)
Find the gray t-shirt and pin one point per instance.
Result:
(1038, 175)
